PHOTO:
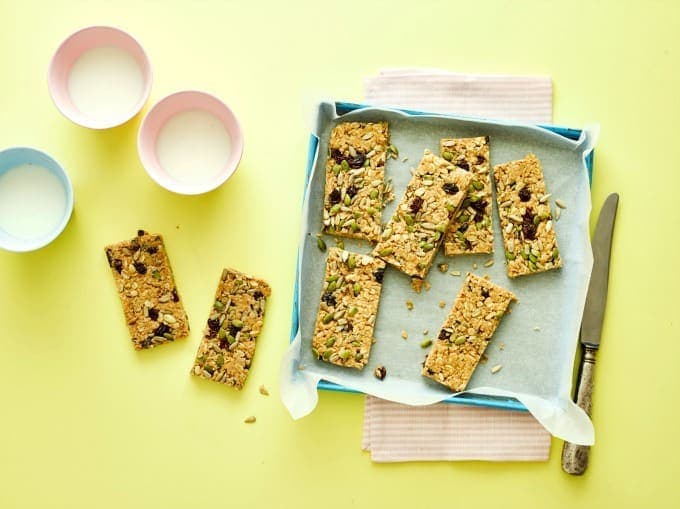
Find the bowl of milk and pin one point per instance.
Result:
(36, 199)
(100, 77)
(190, 142)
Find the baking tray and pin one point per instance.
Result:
(342, 108)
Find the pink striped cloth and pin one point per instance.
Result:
(446, 432)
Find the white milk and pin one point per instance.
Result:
(106, 83)
(32, 201)
(193, 146)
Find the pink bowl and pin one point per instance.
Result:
(71, 49)
(170, 106)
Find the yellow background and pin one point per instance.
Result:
(85, 421)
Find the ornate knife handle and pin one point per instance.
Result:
(575, 457)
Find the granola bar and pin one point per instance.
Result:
(343, 334)
(466, 332)
(355, 180)
(410, 240)
(146, 286)
(526, 218)
(235, 322)
(471, 230)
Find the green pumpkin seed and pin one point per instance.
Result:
(447, 155)
(315, 352)
(450, 207)
(394, 150)
(358, 356)
(330, 342)
(477, 185)
(351, 262)
(356, 288)
(337, 169)
(230, 339)
(532, 265)
(335, 209)
(353, 311)
(524, 255)
(344, 355)
(509, 255)
(474, 198)
(499, 315)
(332, 278)
(537, 220)
(169, 336)
(428, 247)
(219, 360)
(408, 219)
(354, 226)
(345, 165)
(156, 275)
(374, 194)
(421, 265)
(327, 354)
(555, 253)
(460, 340)
(441, 228)
(410, 229)
(332, 286)
(237, 323)
(218, 306)
(327, 319)
(222, 334)
(533, 258)
(464, 218)
(321, 244)
(386, 251)
(425, 343)
(437, 236)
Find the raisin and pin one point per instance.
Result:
(134, 245)
(161, 329)
(352, 191)
(118, 265)
(524, 194)
(334, 196)
(479, 217)
(463, 165)
(481, 159)
(338, 156)
(213, 324)
(485, 293)
(416, 204)
(140, 232)
(258, 295)
(464, 227)
(152, 250)
(109, 257)
(350, 327)
(356, 162)
(450, 188)
(379, 274)
(233, 330)
(444, 334)
(147, 342)
(140, 267)
(153, 314)
(528, 226)
(328, 298)
(224, 344)
(468, 244)
(479, 205)
(175, 297)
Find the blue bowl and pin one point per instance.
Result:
(13, 157)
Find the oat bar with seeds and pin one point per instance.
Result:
(471, 230)
(349, 302)
(525, 216)
(466, 332)
(355, 180)
(410, 239)
(146, 286)
(226, 351)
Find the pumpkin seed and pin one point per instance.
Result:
(447, 155)
(321, 244)
(425, 343)
(327, 319)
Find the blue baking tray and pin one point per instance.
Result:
(463, 399)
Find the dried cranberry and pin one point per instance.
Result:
(161, 329)
(109, 257)
(352, 191)
(175, 297)
(450, 188)
(213, 324)
(416, 204)
(357, 161)
(379, 274)
(140, 267)
(524, 194)
(463, 165)
(152, 250)
(334, 196)
(328, 298)
(118, 265)
(528, 226)
(444, 334)
(153, 314)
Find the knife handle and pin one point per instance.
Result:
(575, 457)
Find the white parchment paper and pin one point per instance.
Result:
(539, 336)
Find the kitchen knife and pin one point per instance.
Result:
(575, 457)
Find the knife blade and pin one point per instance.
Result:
(575, 457)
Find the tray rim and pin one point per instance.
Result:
(343, 107)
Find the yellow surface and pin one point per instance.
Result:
(85, 421)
